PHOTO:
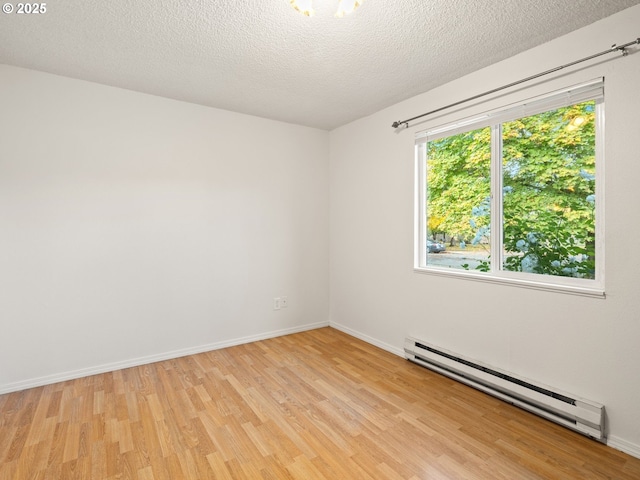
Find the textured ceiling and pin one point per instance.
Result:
(263, 58)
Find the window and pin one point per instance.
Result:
(515, 195)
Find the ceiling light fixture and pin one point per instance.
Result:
(345, 7)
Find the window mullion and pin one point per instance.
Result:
(496, 198)
(421, 205)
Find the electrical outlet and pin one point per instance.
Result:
(277, 303)
(284, 302)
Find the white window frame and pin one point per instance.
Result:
(592, 90)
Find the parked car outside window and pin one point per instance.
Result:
(435, 247)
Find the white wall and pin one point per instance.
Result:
(589, 347)
(134, 228)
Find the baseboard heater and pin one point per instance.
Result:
(578, 414)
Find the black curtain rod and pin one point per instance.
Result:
(614, 48)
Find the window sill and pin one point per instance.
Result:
(585, 291)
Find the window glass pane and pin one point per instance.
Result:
(548, 173)
(458, 201)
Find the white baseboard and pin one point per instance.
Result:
(624, 446)
(136, 362)
(368, 339)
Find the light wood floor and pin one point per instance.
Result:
(314, 405)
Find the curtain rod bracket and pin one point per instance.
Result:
(622, 50)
